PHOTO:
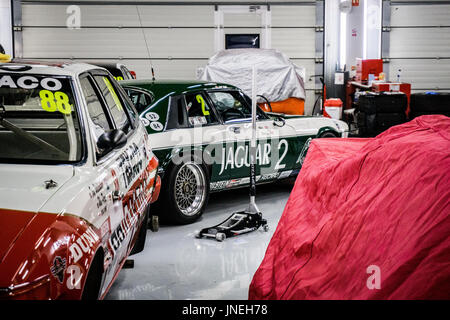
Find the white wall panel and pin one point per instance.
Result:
(295, 43)
(420, 42)
(125, 16)
(420, 15)
(181, 43)
(83, 43)
(6, 26)
(55, 15)
(177, 16)
(166, 69)
(293, 16)
(116, 43)
(422, 74)
(247, 20)
(419, 46)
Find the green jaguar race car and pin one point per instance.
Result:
(201, 134)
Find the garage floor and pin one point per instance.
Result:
(176, 265)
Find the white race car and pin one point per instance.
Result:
(77, 176)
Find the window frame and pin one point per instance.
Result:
(243, 100)
(98, 159)
(120, 95)
(126, 73)
(105, 109)
(211, 105)
(140, 91)
(168, 125)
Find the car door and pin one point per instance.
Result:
(275, 141)
(119, 181)
(207, 133)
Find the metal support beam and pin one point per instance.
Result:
(386, 35)
(17, 28)
(331, 45)
(319, 66)
(161, 3)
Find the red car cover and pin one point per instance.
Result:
(367, 219)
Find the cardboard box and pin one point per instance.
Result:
(366, 67)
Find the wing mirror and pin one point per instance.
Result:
(111, 140)
(279, 121)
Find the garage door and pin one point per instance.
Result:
(420, 44)
(180, 37)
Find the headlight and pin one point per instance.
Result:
(36, 290)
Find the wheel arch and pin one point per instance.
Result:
(97, 261)
(327, 129)
(196, 152)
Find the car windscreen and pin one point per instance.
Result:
(38, 120)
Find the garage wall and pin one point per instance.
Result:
(6, 26)
(181, 37)
(420, 44)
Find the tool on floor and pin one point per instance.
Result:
(251, 219)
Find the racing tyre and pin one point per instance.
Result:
(187, 192)
(328, 134)
(93, 282)
(387, 120)
(383, 103)
(414, 115)
(430, 103)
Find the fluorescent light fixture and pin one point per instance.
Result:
(365, 34)
(380, 4)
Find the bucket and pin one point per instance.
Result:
(333, 108)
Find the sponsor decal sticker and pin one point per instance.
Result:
(239, 157)
(302, 156)
(83, 244)
(152, 116)
(30, 82)
(58, 268)
(156, 126)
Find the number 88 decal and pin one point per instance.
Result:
(51, 102)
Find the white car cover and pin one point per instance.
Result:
(277, 77)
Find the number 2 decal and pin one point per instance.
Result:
(202, 101)
(279, 166)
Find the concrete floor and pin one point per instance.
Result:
(176, 265)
